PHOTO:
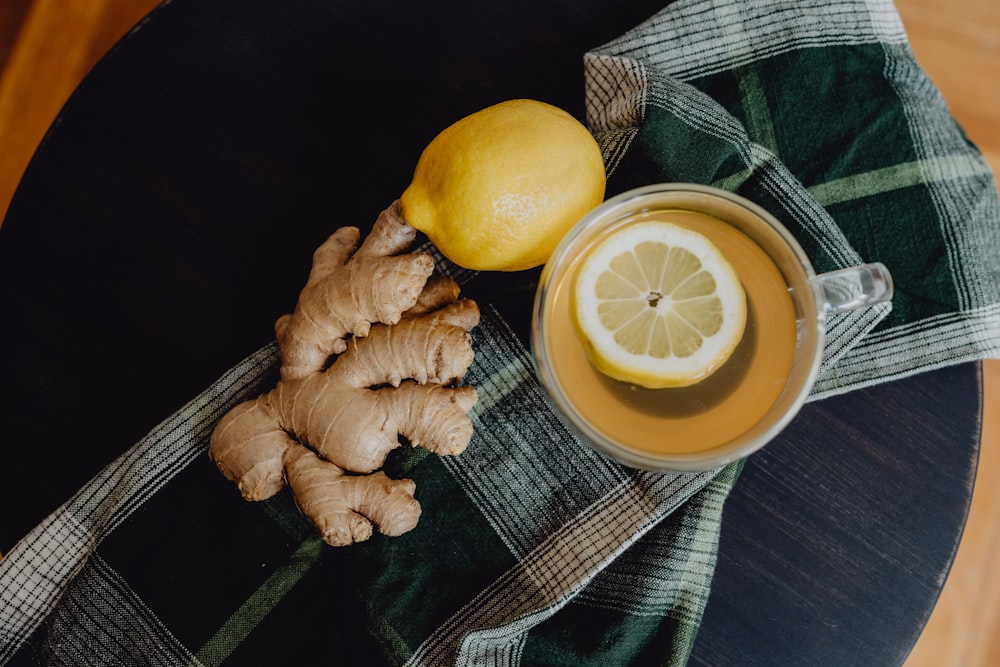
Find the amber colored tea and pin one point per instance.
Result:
(712, 412)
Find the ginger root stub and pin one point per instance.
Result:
(376, 347)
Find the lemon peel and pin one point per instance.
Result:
(498, 189)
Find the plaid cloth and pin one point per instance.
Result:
(533, 549)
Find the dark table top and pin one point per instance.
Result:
(174, 206)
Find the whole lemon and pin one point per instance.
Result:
(498, 189)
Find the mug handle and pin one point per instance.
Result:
(854, 287)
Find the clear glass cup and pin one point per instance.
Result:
(705, 426)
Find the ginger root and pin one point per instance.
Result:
(375, 349)
(348, 288)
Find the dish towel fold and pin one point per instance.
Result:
(532, 548)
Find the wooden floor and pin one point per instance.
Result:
(47, 46)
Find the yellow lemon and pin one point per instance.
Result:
(658, 305)
(498, 189)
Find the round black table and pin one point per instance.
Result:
(173, 208)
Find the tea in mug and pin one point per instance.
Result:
(711, 412)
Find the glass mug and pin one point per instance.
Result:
(756, 393)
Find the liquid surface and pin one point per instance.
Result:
(712, 412)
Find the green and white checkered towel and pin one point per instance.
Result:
(533, 549)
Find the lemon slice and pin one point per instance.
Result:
(658, 305)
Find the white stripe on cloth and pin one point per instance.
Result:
(101, 619)
(720, 36)
(491, 628)
(525, 470)
(917, 347)
(40, 567)
(953, 183)
(669, 571)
